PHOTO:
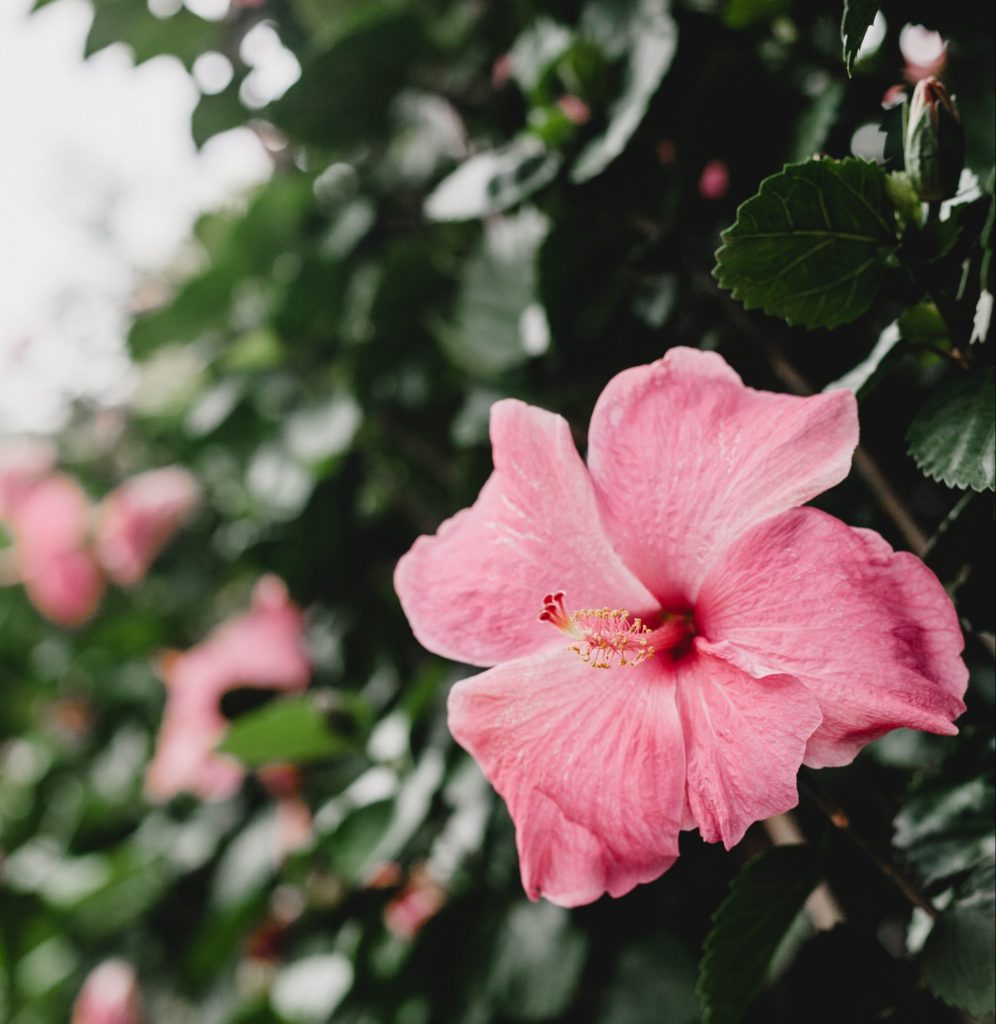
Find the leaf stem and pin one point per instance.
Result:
(840, 820)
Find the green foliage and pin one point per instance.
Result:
(471, 201)
(492, 182)
(857, 19)
(960, 952)
(644, 33)
(749, 926)
(953, 437)
(290, 729)
(538, 959)
(812, 245)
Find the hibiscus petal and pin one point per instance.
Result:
(685, 458)
(474, 590)
(50, 522)
(745, 740)
(590, 763)
(139, 517)
(870, 632)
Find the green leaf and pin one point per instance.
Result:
(292, 729)
(537, 962)
(953, 437)
(357, 77)
(357, 837)
(863, 377)
(649, 37)
(536, 50)
(812, 245)
(494, 181)
(653, 981)
(498, 322)
(815, 122)
(958, 957)
(858, 16)
(183, 35)
(762, 903)
(945, 829)
(741, 13)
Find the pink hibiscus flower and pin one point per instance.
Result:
(58, 555)
(109, 996)
(745, 635)
(138, 518)
(259, 648)
(50, 523)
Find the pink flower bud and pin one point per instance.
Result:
(924, 51)
(109, 996)
(714, 182)
(575, 109)
(419, 901)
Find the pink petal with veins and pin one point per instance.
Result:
(870, 632)
(534, 529)
(591, 765)
(745, 740)
(685, 458)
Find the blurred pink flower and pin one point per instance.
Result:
(764, 635)
(138, 518)
(259, 648)
(56, 555)
(714, 181)
(50, 523)
(294, 826)
(23, 462)
(417, 903)
(109, 995)
(924, 51)
(574, 109)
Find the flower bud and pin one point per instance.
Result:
(934, 143)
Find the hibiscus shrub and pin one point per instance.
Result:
(688, 306)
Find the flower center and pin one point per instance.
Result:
(607, 636)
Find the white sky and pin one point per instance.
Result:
(99, 182)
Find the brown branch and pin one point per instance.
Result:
(840, 821)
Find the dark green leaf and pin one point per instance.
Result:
(357, 78)
(858, 16)
(959, 958)
(536, 50)
(652, 982)
(946, 829)
(740, 13)
(183, 35)
(292, 729)
(537, 962)
(815, 123)
(863, 377)
(350, 846)
(953, 437)
(748, 927)
(491, 182)
(497, 317)
(812, 245)
(649, 37)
